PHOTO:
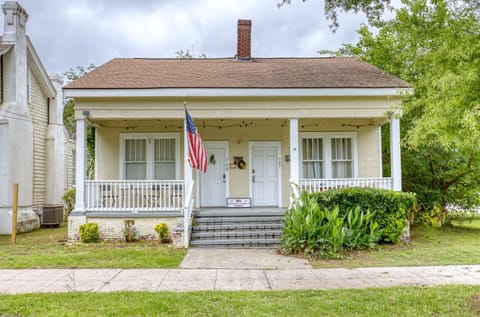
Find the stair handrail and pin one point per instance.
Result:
(187, 213)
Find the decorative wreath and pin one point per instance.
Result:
(241, 164)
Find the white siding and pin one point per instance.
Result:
(69, 160)
(39, 109)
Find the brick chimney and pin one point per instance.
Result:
(244, 35)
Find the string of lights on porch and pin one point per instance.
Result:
(243, 124)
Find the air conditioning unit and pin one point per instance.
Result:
(51, 215)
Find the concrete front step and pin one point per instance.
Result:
(243, 228)
(232, 235)
(231, 227)
(238, 243)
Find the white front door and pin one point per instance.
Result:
(213, 183)
(265, 173)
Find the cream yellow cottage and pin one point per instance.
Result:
(266, 123)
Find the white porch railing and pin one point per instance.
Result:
(142, 196)
(319, 185)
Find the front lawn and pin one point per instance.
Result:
(398, 301)
(470, 224)
(428, 246)
(46, 248)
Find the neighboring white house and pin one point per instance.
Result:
(34, 145)
(265, 122)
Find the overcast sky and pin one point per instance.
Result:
(67, 33)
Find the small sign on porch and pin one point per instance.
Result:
(239, 203)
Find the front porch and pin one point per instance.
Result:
(276, 152)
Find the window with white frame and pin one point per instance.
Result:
(328, 155)
(150, 156)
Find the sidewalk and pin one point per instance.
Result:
(183, 279)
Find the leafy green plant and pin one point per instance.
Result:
(69, 200)
(313, 230)
(361, 229)
(391, 208)
(89, 232)
(129, 231)
(162, 230)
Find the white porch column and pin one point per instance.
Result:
(395, 158)
(80, 166)
(294, 155)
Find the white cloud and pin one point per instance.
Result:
(71, 33)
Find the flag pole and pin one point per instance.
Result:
(187, 168)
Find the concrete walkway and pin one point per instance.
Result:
(108, 280)
(231, 269)
(266, 259)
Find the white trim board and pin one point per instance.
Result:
(237, 92)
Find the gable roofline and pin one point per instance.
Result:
(39, 71)
(226, 73)
(237, 92)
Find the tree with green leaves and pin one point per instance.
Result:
(181, 54)
(69, 117)
(435, 46)
(374, 9)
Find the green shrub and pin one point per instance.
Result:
(69, 200)
(89, 232)
(323, 232)
(391, 208)
(162, 230)
(129, 231)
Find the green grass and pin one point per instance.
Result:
(46, 248)
(468, 224)
(399, 301)
(428, 246)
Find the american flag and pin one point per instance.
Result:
(196, 151)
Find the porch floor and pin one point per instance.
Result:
(239, 212)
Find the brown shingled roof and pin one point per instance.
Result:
(137, 73)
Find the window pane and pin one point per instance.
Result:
(312, 159)
(135, 159)
(135, 150)
(165, 170)
(135, 171)
(342, 162)
(342, 169)
(341, 149)
(312, 170)
(164, 150)
(164, 159)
